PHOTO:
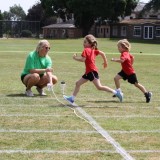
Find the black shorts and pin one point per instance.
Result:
(131, 78)
(22, 76)
(91, 76)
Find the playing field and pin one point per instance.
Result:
(100, 128)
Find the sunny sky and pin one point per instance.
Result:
(25, 4)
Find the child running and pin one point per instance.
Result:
(128, 72)
(88, 56)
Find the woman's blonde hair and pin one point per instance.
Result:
(124, 44)
(41, 44)
(91, 40)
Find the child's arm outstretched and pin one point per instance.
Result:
(79, 58)
(104, 58)
(117, 60)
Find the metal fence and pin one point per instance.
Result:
(15, 28)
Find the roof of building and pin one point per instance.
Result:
(60, 25)
(140, 21)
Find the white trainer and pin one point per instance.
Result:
(41, 91)
(29, 93)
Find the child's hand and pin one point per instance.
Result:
(74, 56)
(105, 65)
(112, 59)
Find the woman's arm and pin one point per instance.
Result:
(41, 71)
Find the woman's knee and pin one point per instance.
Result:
(31, 77)
(54, 79)
(35, 76)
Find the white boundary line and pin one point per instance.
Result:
(73, 152)
(54, 151)
(34, 115)
(75, 131)
(105, 134)
(55, 115)
(56, 52)
(39, 105)
(46, 131)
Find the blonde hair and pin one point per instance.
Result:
(124, 44)
(41, 43)
(91, 40)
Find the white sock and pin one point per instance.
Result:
(73, 97)
(114, 92)
(119, 90)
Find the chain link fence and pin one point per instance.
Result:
(16, 29)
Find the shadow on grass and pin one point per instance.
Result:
(16, 95)
(112, 101)
(23, 95)
(103, 101)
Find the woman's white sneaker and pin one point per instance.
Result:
(29, 93)
(41, 91)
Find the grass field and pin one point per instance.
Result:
(101, 128)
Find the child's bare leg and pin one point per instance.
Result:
(117, 81)
(147, 94)
(142, 88)
(78, 85)
(98, 85)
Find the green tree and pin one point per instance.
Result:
(1, 18)
(6, 15)
(87, 11)
(1, 15)
(35, 13)
(152, 4)
(17, 13)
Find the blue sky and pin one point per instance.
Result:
(25, 4)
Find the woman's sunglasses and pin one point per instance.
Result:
(47, 48)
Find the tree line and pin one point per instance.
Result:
(85, 12)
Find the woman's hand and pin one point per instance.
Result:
(49, 70)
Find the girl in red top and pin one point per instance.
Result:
(88, 56)
(128, 72)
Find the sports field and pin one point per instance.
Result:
(100, 128)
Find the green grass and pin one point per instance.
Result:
(42, 128)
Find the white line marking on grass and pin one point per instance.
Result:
(144, 151)
(73, 152)
(56, 115)
(111, 53)
(135, 131)
(34, 115)
(54, 151)
(74, 131)
(128, 116)
(105, 134)
(27, 105)
(45, 131)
